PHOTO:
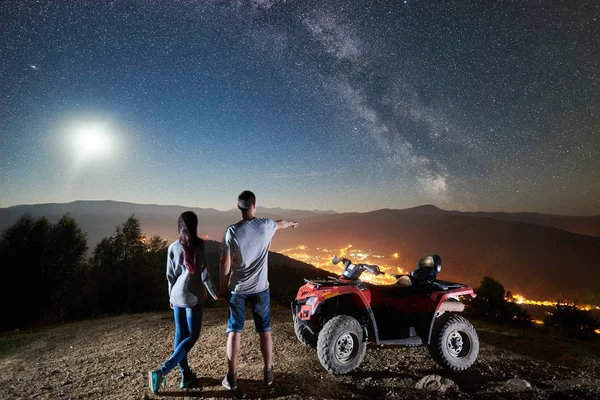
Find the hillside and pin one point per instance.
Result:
(108, 358)
(533, 259)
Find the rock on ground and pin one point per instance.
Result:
(436, 383)
(516, 385)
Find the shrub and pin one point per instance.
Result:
(572, 322)
(494, 304)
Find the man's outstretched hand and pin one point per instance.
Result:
(282, 224)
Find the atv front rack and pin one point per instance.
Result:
(332, 282)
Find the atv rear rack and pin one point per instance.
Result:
(445, 285)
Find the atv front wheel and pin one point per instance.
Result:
(304, 335)
(454, 343)
(341, 346)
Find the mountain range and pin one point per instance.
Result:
(538, 255)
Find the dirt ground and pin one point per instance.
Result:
(109, 358)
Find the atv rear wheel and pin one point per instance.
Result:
(304, 335)
(341, 345)
(454, 343)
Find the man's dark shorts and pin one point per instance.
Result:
(261, 311)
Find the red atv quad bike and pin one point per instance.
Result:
(338, 316)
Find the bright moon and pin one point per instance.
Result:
(90, 139)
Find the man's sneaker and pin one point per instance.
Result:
(188, 378)
(155, 380)
(269, 376)
(230, 381)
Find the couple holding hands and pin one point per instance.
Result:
(243, 281)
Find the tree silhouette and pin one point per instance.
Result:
(104, 283)
(21, 250)
(573, 322)
(129, 271)
(45, 271)
(62, 268)
(41, 265)
(494, 304)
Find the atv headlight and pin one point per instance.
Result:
(311, 300)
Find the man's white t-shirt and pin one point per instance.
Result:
(248, 243)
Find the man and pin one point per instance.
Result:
(243, 274)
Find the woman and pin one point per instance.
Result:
(189, 278)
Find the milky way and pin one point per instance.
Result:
(342, 105)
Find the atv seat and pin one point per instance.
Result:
(397, 291)
(417, 287)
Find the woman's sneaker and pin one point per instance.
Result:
(155, 380)
(230, 381)
(188, 379)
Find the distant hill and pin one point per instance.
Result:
(540, 255)
(587, 225)
(583, 225)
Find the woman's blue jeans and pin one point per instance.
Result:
(188, 322)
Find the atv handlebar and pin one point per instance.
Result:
(373, 269)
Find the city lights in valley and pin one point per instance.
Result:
(321, 258)
(519, 299)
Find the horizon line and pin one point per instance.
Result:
(299, 209)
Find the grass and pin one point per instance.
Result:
(14, 342)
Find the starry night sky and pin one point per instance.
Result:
(350, 106)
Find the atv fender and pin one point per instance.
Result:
(324, 295)
(348, 304)
(442, 306)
